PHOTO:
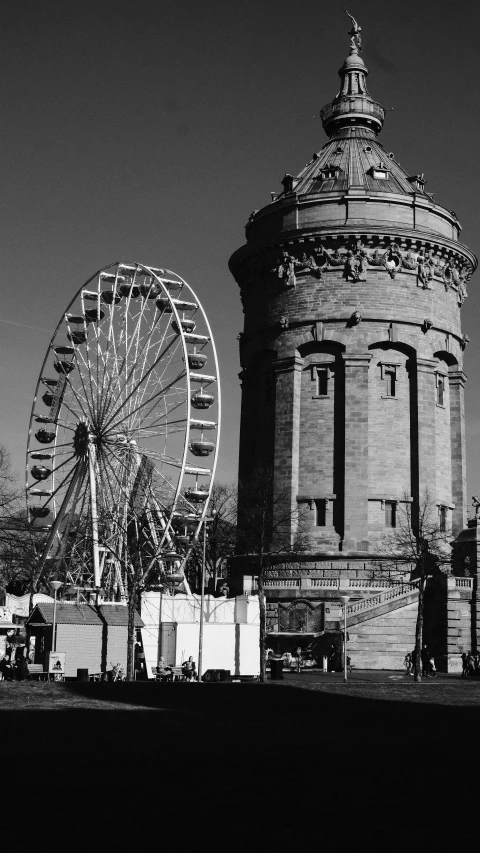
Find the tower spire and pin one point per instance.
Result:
(353, 107)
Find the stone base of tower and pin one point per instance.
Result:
(304, 608)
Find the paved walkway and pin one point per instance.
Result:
(381, 676)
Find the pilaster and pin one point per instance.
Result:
(288, 376)
(425, 433)
(457, 381)
(356, 451)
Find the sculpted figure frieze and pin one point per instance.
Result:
(356, 260)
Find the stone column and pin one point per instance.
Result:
(356, 451)
(425, 432)
(288, 373)
(457, 381)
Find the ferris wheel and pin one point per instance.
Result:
(121, 449)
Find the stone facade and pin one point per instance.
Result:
(352, 282)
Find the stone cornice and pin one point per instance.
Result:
(357, 359)
(285, 365)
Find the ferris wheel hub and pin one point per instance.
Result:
(81, 439)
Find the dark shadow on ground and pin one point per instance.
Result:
(248, 767)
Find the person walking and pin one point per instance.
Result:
(425, 658)
(408, 663)
(299, 659)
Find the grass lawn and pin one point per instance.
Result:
(301, 762)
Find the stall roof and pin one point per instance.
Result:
(81, 614)
(117, 614)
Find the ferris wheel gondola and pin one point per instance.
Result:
(113, 471)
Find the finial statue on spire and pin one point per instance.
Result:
(355, 33)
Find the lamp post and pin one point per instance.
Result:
(344, 599)
(55, 586)
(202, 596)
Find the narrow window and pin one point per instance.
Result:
(322, 381)
(390, 383)
(440, 389)
(390, 514)
(321, 513)
(442, 518)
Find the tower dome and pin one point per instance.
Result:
(352, 281)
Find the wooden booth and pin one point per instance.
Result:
(93, 638)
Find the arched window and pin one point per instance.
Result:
(299, 617)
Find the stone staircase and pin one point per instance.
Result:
(383, 602)
(381, 628)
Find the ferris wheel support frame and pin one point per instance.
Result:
(94, 512)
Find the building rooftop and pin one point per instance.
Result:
(81, 614)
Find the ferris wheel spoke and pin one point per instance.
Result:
(70, 384)
(146, 375)
(161, 418)
(157, 346)
(144, 433)
(126, 382)
(156, 377)
(146, 348)
(146, 415)
(86, 361)
(83, 362)
(118, 481)
(158, 394)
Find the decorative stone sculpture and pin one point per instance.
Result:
(286, 270)
(392, 260)
(356, 264)
(425, 269)
(427, 324)
(355, 33)
(410, 260)
(355, 319)
(284, 323)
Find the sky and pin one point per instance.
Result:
(148, 131)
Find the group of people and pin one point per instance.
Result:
(470, 664)
(166, 673)
(14, 664)
(429, 670)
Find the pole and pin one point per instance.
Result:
(54, 638)
(202, 603)
(345, 599)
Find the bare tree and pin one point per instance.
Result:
(268, 526)
(221, 536)
(20, 540)
(417, 547)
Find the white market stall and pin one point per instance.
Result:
(230, 631)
